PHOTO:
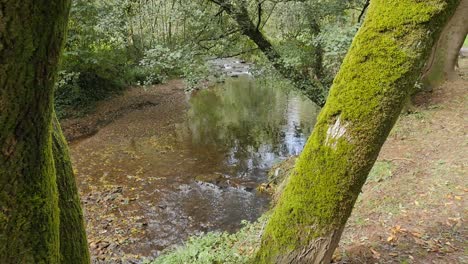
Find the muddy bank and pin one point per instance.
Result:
(110, 231)
(165, 97)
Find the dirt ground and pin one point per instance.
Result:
(111, 237)
(413, 208)
(165, 96)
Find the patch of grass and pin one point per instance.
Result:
(381, 171)
(217, 247)
(405, 126)
(360, 221)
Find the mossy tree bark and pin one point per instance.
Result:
(377, 75)
(73, 243)
(31, 40)
(441, 65)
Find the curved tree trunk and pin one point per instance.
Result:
(31, 39)
(313, 89)
(377, 75)
(441, 65)
(73, 242)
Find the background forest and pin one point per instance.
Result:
(113, 44)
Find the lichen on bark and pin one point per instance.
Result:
(377, 75)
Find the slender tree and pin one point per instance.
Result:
(441, 65)
(31, 39)
(378, 74)
(312, 88)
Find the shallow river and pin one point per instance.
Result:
(148, 183)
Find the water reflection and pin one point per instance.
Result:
(254, 125)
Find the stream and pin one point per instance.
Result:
(158, 175)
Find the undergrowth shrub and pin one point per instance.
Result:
(87, 77)
(218, 247)
(162, 63)
(91, 75)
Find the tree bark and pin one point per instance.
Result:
(73, 242)
(313, 89)
(441, 65)
(31, 40)
(377, 75)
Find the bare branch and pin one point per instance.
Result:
(259, 14)
(366, 5)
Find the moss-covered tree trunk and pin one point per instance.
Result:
(73, 242)
(377, 75)
(31, 39)
(441, 65)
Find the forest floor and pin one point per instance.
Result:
(413, 208)
(113, 238)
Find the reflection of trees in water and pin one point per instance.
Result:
(253, 124)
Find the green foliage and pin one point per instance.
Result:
(298, 53)
(161, 63)
(304, 30)
(111, 45)
(94, 65)
(218, 247)
(88, 78)
(116, 43)
(336, 40)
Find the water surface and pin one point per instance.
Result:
(160, 174)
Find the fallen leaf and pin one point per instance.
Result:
(375, 254)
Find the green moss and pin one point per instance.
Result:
(73, 242)
(32, 38)
(365, 100)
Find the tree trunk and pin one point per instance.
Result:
(313, 89)
(377, 75)
(441, 65)
(31, 39)
(73, 242)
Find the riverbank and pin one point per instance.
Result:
(135, 98)
(112, 182)
(413, 208)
